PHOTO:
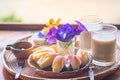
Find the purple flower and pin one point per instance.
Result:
(80, 28)
(65, 33)
(40, 34)
(51, 36)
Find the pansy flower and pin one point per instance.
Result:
(80, 28)
(51, 36)
(40, 34)
(66, 32)
(49, 25)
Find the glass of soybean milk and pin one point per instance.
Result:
(103, 44)
(90, 22)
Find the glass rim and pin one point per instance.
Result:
(109, 25)
(82, 19)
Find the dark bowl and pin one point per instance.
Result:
(21, 49)
(47, 73)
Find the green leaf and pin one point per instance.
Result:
(10, 18)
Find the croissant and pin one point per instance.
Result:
(75, 61)
(58, 63)
(84, 56)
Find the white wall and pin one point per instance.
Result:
(39, 11)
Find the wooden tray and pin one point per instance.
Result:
(10, 63)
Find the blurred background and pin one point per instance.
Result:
(40, 11)
(36, 12)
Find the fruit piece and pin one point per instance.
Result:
(38, 48)
(75, 61)
(48, 49)
(43, 48)
(46, 60)
(54, 47)
(84, 56)
(39, 41)
(40, 51)
(44, 56)
(58, 63)
(37, 56)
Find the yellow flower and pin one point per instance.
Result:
(57, 23)
(51, 24)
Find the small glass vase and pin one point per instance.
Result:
(66, 48)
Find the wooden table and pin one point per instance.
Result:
(7, 37)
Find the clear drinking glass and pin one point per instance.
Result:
(103, 44)
(66, 48)
(90, 22)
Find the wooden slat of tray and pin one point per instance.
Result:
(10, 63)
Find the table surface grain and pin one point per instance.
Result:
(7, 37)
